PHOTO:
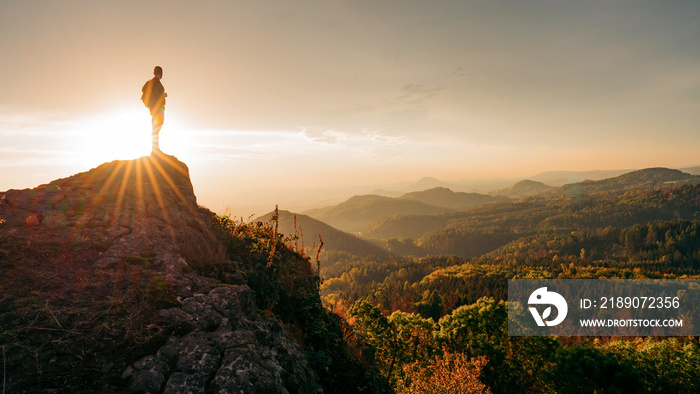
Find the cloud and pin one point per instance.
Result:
(385, 139)
(361, 138)
(14, 122)
(371, 145)
(417, 94)
(13, 157)
(325, 136)
(414, 104)
(350, 111)
(222, 153)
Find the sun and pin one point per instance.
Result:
(125, 134)
(116, 135)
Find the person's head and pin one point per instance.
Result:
(158, 72)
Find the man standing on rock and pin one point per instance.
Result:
(153, 96)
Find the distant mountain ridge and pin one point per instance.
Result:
(254, 202)
(415, 226)
(650, 178)
(387, 193)
(333, 239)
(358, 213)
(524, 188)
(427, 183)
(561, 178)
(377, 214)
(446, 198)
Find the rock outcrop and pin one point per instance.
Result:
(137, 222)
(223, 346)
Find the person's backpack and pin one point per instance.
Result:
(146, 94)
(153, 93)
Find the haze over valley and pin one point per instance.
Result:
(314, 199)
(414, 214)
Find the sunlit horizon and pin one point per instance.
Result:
(349, 96)
(231, 169)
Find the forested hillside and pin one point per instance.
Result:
(479, 230)
(654, 230)
(307, 234)
(358, 213)
(144, 291)
(446, 301)
(446, 198)
(650, 178)
(524, 188)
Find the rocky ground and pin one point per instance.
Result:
(101, 289)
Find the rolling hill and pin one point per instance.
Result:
(446, 198)
(646, 179)
(333, 240)
(523, 189)
(408, 226)
(426, 183)
(359, 212)
(561, 178)
(445, 228)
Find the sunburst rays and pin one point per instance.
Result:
(130, 189)
(159, 181)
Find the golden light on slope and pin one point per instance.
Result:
(133, 182)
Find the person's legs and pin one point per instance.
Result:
(156, 124)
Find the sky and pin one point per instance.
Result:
(284, 96)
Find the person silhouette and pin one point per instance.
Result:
(153, 96)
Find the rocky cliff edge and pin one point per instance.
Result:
(101, 290)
